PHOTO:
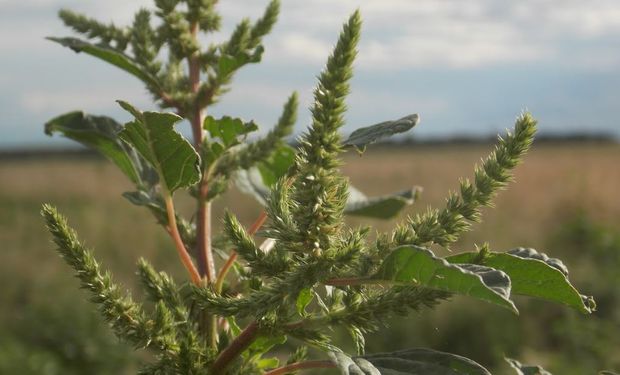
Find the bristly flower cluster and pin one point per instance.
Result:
(311, 273)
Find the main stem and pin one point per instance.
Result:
(206, 265)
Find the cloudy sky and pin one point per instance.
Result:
(468, 68)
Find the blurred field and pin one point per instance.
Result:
(555, 182)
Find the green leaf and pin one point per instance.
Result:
(383, 207)
(370, 134)
(264, 343)
(533, 274)
(276, 165)
(266, 363)
(228, 129)
(525, 369)
(109, 55)
(102, 134)
(228, 64)
(420, 361)
(303, 299)
(419, 266)
(153, 136)
(252, 182)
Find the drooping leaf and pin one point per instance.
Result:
(353, 366)
(533, 274)
(362, 137)
(417, 265)
(109, 55)
(153, 202)
(526, 369)
(420, 361)
(153, 136)
(251, 182)
(383, 207)
(99, 133)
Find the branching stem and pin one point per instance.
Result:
(300, 366)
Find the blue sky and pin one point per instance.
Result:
(468, 68)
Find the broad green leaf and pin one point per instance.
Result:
(102, 134)
(153, 136)
(421, 361)
(110, 55)
(251, 182)
(303, 299)
(533, 274)
(419, 266)
(228, 129)
(370, 134)
(525, 369)
(277, 165)
(383, 207)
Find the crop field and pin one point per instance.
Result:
(555, 184)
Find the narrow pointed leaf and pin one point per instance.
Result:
(370, 134)
(533, 274)
(252, 182)
(109, 55)
(100, 133)
(152, 134)
(420, 361)
(419, 266)
(525, 369)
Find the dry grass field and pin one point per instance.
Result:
(554, 182)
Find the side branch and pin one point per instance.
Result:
(236, 347)
(178, 242)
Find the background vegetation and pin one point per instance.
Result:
(564, 202)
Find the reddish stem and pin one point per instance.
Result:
(233, 254)
(236, 347)
(300, 366)
(178, 242)
(258, 223)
